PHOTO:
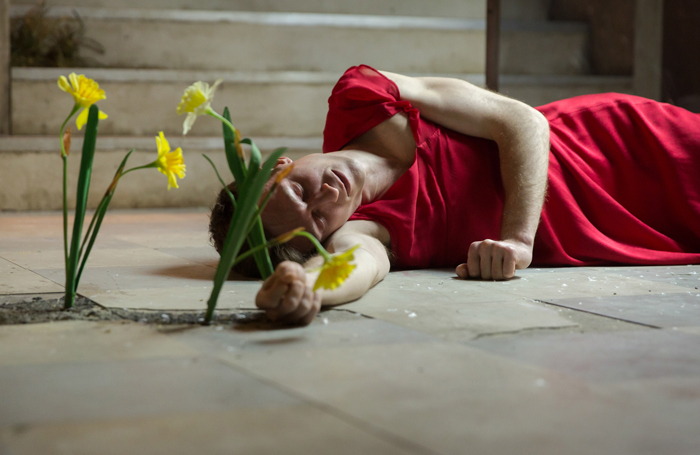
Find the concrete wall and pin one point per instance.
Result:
(5, 104)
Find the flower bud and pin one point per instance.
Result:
(66, 141)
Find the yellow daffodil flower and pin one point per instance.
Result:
(336, 269)
(85, 91)
(169, 163)
(196, 101)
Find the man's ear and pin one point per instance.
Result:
(282, 160)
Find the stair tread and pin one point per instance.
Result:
(312, 77)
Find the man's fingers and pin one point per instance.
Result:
(509, 264)
(315, 308)
(304, 311)
(485, 259)
(473, 261)
(497, 254)
(270, 296)
(462, 271)
(290, 302)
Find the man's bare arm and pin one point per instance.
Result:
(287, 296)
(522, 135)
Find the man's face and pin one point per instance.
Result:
(319, 194)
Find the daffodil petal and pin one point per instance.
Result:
(82, 119)
(189, 122)
(74, 81)
(102, 115)
(63, 84)
(163, 144)
(210, 95)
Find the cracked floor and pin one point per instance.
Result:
(557, 361)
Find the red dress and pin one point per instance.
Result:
(624, 180)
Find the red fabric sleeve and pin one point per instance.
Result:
(362, 99)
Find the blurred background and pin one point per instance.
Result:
(279, 60)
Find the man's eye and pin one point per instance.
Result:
(300, 192)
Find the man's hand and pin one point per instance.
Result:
(495, 260)
(286, 296)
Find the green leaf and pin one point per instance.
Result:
(235, 163)
(238, 228)
(228, 191)
(98, 217)
(255, 155)
(84, 176)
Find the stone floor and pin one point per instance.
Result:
(556, 361)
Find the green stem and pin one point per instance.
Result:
(64, 157)
(212, 112)
(254, 250)
(98, 217)
(145, 166)
(90, 228)
(65, 208)
(326, 255)
(228, 191)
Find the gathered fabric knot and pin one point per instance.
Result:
(413, 116)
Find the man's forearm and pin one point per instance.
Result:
(362, 279)
(524, 156)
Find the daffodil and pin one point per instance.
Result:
(336, 269)
(169, 162)
(85, 91)
(196, 101)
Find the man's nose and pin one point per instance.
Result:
(326, 195)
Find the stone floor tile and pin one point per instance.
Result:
(667, 310)
(99, 257)
(17, 280)
(83, 341)
(174, 298)
(40, 224)
(691, 330)
(171, 296)
(605, 357)
(334, 333)
(80, 391)
(157, 239)
(50, 244)
(678, 275)
(569, 283)
(450, 308)
(448, 397)
(206, 255)
(294, 429)
(98, 279)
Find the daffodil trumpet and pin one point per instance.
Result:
(336, 268)
(169, 162)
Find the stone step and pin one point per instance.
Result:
(269, 104)
(253, 41)
(31, 173)
(171, 39)
(472, 9)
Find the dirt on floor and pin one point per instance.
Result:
(33, 309)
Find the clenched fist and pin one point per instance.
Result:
(286, 296)
(495, 259)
